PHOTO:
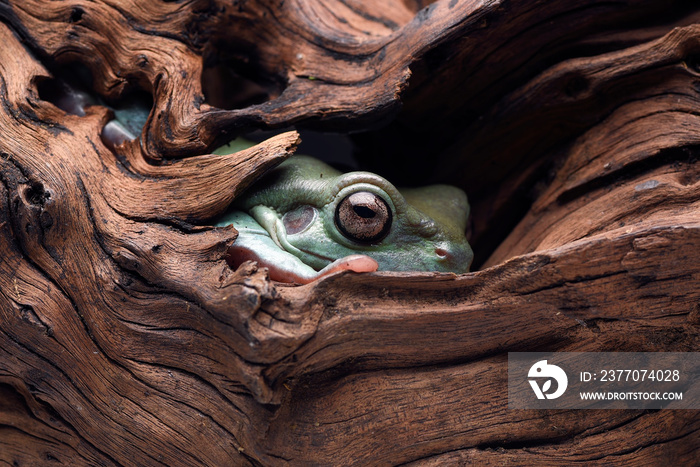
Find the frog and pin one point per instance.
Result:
(304, 220)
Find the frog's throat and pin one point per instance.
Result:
(271, 221)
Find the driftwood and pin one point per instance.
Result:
(126, 339)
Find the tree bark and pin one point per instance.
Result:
(125, 338)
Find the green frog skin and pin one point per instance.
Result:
(304, 220)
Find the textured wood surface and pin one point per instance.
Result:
(126, 339)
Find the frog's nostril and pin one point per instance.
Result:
(442, 253)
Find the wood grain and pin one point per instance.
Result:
(125, 338)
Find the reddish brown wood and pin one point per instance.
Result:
(126, 339)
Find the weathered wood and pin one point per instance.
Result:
(125, 338)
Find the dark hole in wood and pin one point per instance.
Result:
(36, 194)
(237, 83)
(71, 90)
(76, 15)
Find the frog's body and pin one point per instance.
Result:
(305, 219)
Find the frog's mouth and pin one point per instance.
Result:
(238, 254)
(255, 243)
(314, 254)
(279, 236)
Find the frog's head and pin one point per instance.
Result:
(319, 215)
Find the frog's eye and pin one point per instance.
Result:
(363, 217)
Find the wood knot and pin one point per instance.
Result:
(35, 194)
(76, 15)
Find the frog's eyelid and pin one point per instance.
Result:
(367, 181)
(361, 180)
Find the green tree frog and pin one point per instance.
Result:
(304, 220)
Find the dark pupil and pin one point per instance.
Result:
(364, 212)
(363, 217)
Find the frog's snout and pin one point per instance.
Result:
(455, 259)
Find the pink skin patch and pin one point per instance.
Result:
(355, 263)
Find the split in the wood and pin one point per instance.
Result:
(71, 91)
